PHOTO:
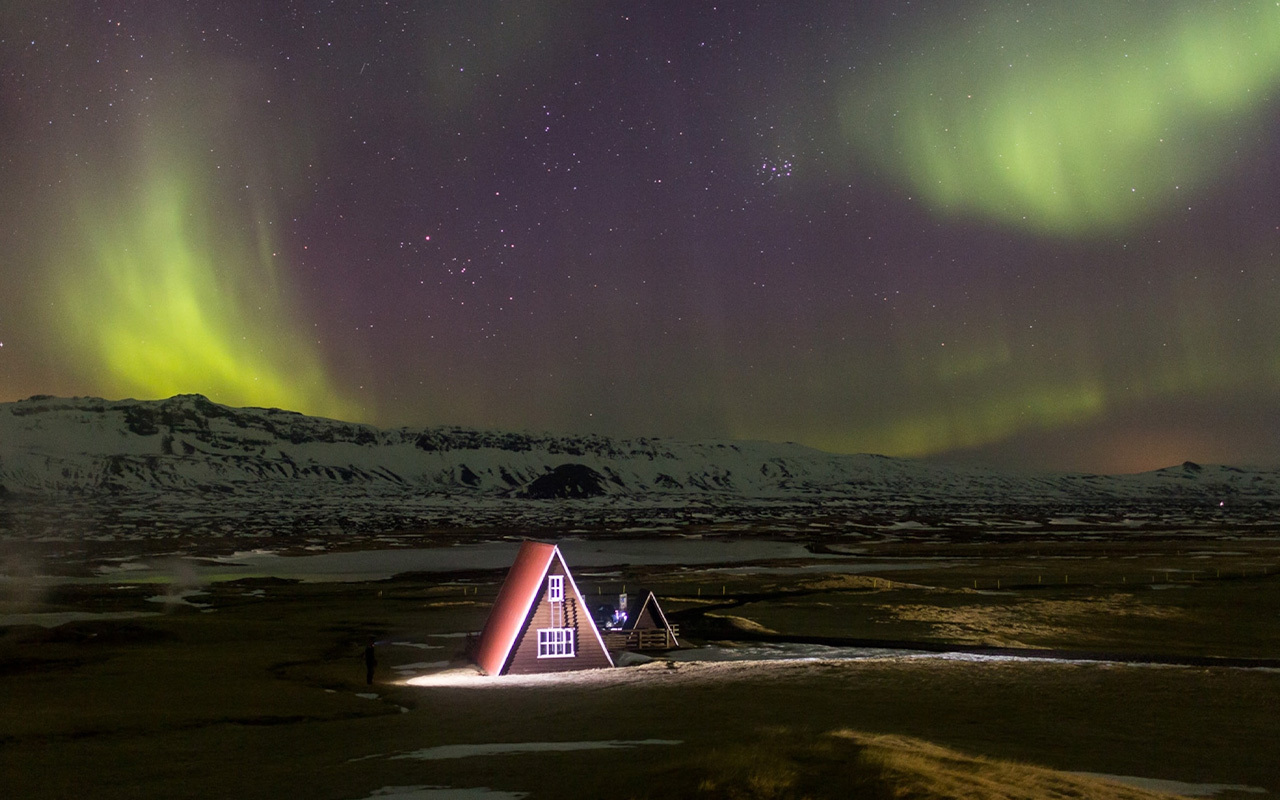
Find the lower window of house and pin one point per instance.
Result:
(555, 642)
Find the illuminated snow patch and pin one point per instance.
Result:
(783, 651)
(472, 677)
(420, 665)
(510, 748)
(1174, 787)
(983, 658)
(634, 666)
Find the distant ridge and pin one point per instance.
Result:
(189, 446)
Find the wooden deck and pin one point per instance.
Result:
(641, 639)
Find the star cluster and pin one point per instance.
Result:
(1033, 234)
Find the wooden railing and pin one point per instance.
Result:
(642, 639)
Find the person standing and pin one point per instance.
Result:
(370, 662)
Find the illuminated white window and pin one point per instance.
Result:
(555, 588)
(555, 643)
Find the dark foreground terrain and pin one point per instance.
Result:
(258, 690)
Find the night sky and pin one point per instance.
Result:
(1028, 234)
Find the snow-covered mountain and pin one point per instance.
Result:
(187, 445)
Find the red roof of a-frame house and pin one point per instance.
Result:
(540, 623)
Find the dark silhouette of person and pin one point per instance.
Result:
(370, 662)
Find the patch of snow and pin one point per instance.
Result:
(125, 565)
(850, 567)
(670, 672)
(783, 651)
(983, 658)
(508, 748)
(52, 619)
(369, 565)
(35, 582)
(180, 598)
(1174, 787)
(420, 665)
(442, 793)
(628, 658)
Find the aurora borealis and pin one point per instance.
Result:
(186, 306)
(1027, 234)
(1072, 117)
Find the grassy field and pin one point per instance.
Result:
(262, 694)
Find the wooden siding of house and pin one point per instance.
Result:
(588, 654)
(644, 619)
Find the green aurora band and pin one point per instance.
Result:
(164, 294)
(1079, 121)
(1069, 118)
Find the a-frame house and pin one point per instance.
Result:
(651, 625)
(540, 623)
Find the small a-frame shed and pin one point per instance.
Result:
(540, 623)
(647, 626)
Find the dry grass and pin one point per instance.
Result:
(1023, 623)
(919, 770)
(837, 581)
(783, 764)
(742, 623)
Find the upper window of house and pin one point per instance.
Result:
(555, 588)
